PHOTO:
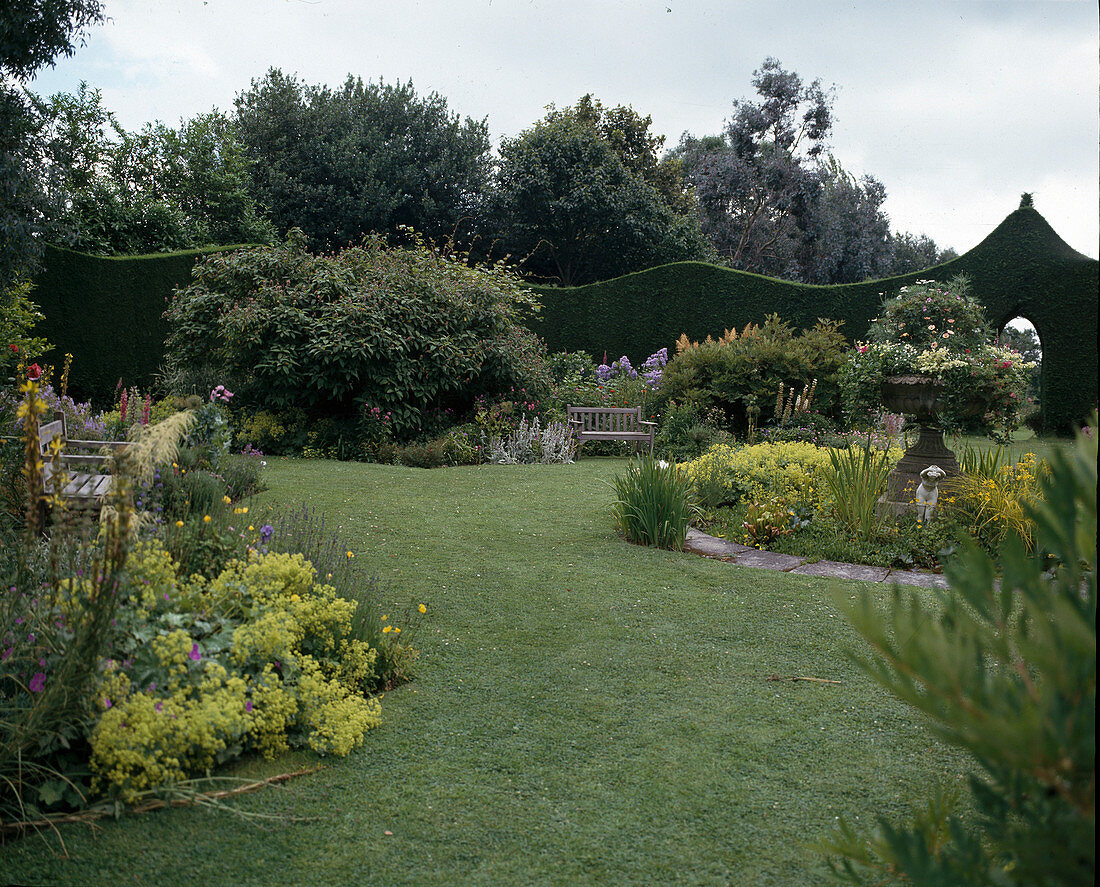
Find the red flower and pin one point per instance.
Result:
(34, 372)
(14, 348)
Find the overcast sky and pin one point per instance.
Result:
(956, 106)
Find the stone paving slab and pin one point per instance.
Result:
(837, 570)
(712, 546)
(911, 577)
(769, 560)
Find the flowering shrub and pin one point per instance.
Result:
(996, 503)
(937, 330)
(739, 374)
(18, 315)
(789, 470)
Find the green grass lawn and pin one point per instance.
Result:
(586, 712)
(1024, 441)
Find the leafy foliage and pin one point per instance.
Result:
(1007, 672)
(855, 478)
(739, 375)
(404, 330)
(31, 35)
(581, 196)
(361, 159)
(109, 191)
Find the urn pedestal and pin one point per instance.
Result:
(916, 396)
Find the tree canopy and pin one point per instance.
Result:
(367, 157)
(772, 200)
(32, 35)
(583, 196)
(109, 191)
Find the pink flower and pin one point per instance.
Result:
(34, 372)
(195, 655)
(38, 682)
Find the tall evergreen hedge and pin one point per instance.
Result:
(108, 311)
(1022, 269)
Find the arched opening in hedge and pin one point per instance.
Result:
(1020, 334)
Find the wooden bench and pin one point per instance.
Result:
(82, 461)
(610, 423)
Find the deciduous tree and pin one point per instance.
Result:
(583, 196)
(367, 157)
(32, 35)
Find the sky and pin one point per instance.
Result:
(956, 106)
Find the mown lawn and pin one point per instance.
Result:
(587, 712)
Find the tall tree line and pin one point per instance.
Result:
(585, 193)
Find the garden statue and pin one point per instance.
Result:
(930, 355)
(928, 492)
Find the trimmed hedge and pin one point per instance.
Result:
(1023, 268)
(108, 312)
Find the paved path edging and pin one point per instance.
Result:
(711, 546)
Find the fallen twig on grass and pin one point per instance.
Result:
(776, 677)
(192, 798)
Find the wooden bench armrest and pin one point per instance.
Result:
(644, 422)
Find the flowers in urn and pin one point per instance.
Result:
(937, 331)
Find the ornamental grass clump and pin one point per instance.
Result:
(856, 479)
(653, 504)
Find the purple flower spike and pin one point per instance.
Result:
(195, 655)
(248, 705)
(38, 682)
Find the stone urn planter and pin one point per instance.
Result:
(920, 397)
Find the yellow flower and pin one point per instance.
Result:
(384, 618)
(251, 528)
(206, 518)
(295, 597)
(350, 554)
(397, 631)
(387, 629)
(226, 500)
(422, 608)
(179, 523)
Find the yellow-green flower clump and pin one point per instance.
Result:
(790, 471)
(261, 653)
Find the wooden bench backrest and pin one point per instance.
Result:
(607, 419)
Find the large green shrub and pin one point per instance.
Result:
(740, 375)
(409, 331)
